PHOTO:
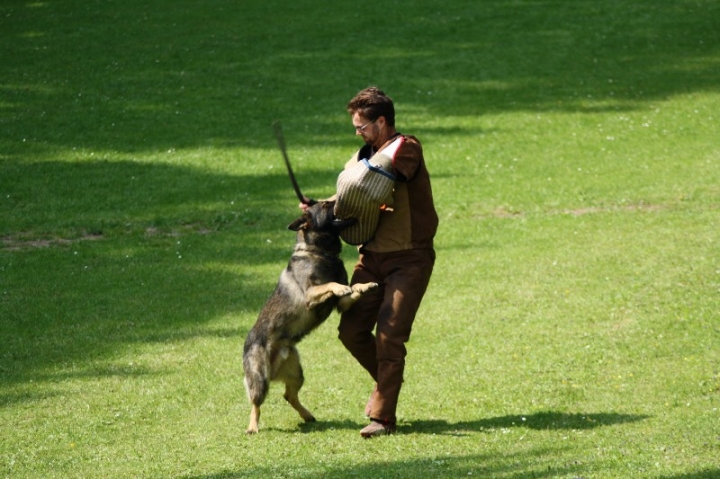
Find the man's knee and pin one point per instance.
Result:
(344, 335)
(350, 335)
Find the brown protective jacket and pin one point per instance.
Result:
(412, 221)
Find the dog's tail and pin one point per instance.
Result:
(257, 375)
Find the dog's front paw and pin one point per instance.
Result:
(341, 290)
(364, 287)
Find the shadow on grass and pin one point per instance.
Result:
(548, 420)
(148, 76)
(520, 465)
(477, 465)
(98, 195)
(89, 371)
(97, 257)
(322, 426)
(705, 474)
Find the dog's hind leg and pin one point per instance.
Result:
(257, 385)
(255, 400)
(358, 290)
(291, 374)
(254, 420)
(257, 389)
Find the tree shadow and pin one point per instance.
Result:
(527, 463)
(100, 256)
(221, 81)
(523, 465)
(704, 474)
(127, 195)
(475, 465)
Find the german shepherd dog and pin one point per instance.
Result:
(314, 282)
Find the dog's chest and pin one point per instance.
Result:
(311, 269)
(305, 323)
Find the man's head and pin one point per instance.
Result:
(373, 114)
(372, 103)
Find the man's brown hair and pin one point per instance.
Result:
(372, 103)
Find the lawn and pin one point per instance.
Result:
(571, 328)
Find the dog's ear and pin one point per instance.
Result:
(298, 224)
(342, 224)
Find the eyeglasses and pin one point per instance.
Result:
(362, 128)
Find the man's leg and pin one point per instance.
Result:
(358, 323)
(407, 280)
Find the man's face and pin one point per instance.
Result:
(369, 130)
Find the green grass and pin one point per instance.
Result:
(571, 326)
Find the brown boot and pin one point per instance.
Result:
(378, 428)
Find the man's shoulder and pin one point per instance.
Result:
(411, 139)
(411, 146)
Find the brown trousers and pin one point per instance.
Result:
(403, 277)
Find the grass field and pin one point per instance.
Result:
(571, 328)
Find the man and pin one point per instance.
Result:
(399, 257)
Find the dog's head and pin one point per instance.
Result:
(320, 217)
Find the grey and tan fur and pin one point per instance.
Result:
(309, 288)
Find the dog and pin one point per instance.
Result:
(310, 287)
